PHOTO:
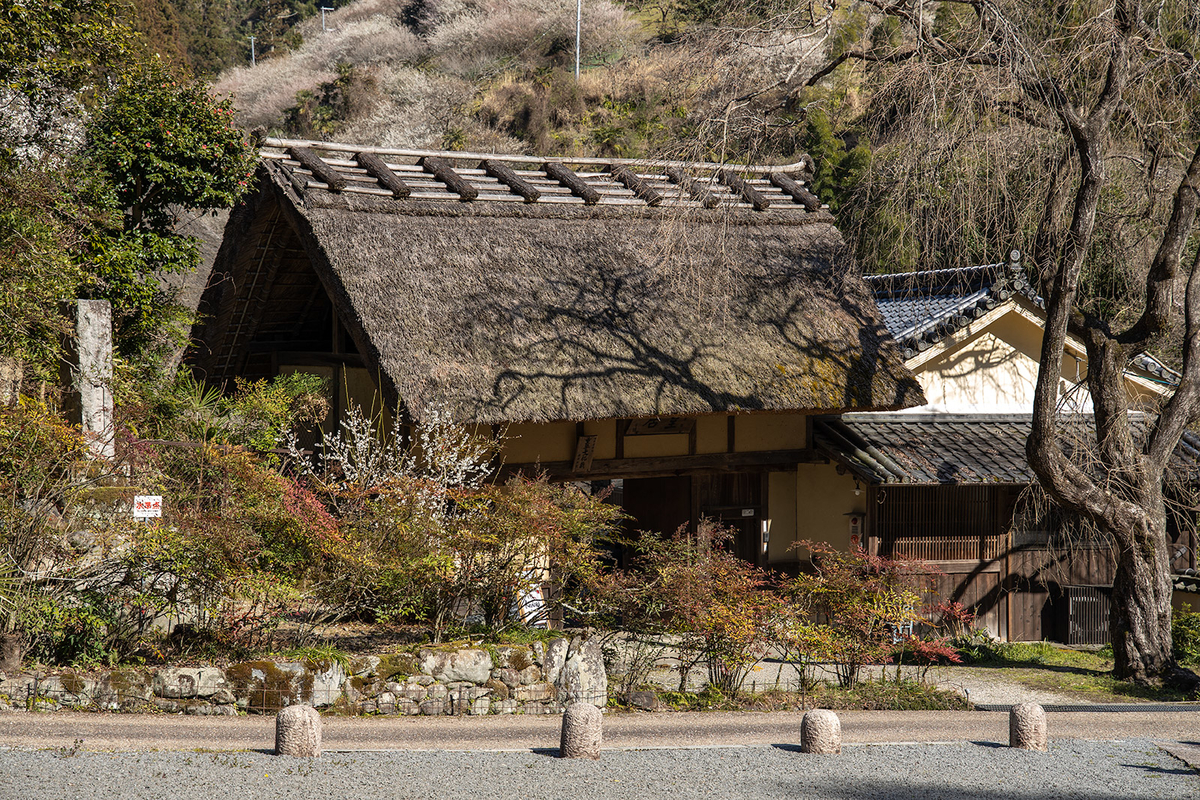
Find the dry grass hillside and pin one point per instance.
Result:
(496, 75)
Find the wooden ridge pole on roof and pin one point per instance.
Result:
(440, 168)
(635, 184)
(320, 170)
(698, 192)
(796, 190)
(380, 171)
(505, 174)
(748, 192)
(572, 181)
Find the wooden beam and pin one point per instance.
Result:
(317, 166)
(663, 466)
(751, 195)
(635, 184)
(299, 182)
(697, 192)
(505, 174)
(440, 168)
(377, 169)
(796, 190)
(572, 181)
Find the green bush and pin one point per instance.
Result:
(75, 632)
(1185, 635)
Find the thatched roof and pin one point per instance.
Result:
(507, 311)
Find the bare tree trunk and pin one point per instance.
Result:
(1140, 614)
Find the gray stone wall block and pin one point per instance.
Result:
(556, 656)
(187, 682)
(505, 706)
(1027, 727)
(821, 733)
(327, 685)
(534, 692)
(461, 665)
(364, 666)
(531, 674)
(433, 707)
(583, 677)
(298, 732)
(582, 731)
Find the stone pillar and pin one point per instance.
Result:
(821, 733)
(93, 380)
(298, 732)
(11, 373)
(1027, 727)
(581, 731)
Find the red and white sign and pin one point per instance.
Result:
(146, 506)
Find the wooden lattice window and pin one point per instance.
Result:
(940, 523)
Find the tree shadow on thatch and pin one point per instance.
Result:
(632, 342)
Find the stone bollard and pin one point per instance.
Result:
(581, 731)
(298, 732)
(1027, 727)
(821, 733)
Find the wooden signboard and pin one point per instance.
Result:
(585, 449)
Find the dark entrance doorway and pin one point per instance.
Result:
(739, 502)
(736, 500)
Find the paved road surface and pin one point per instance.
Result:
(621, 731)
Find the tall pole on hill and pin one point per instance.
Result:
(578, 26)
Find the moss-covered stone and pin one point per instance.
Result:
(269, 686)
(396, 666)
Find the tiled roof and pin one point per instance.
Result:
(953, 448)
(1187, 581)
(922, 308)
(415, 175)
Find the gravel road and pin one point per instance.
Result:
(985, 771)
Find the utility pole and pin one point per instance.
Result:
(252, 51)
(323, 10)
(578, 26)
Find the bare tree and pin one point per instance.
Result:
(1109, 88)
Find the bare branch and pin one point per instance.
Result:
(1164, 269)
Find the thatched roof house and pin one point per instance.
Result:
(556, 309)
(566, 300)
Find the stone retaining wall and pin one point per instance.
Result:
(535, 679)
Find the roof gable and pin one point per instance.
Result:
(534, 312)
(973, 337)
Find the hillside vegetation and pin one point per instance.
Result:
(498, 75)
